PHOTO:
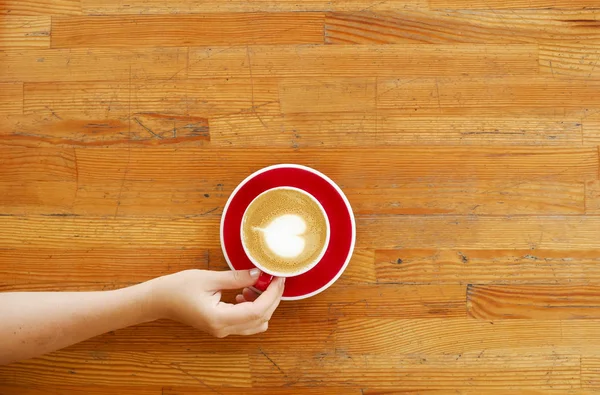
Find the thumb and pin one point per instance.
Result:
(235, 279)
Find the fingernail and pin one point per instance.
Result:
(254, 272)
(282, 281)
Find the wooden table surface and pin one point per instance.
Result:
(465, 134)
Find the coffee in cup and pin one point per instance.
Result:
(285, 231)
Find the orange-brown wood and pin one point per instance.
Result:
(40, 7)
(24, 31)
(488, 266)
(537, 302)
(465, 133)
(11, 98)
(518, 4)
(120, 7)
(194, 29)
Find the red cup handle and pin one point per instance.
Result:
(262, 283)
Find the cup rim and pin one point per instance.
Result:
(317, 259)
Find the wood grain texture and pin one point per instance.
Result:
(378, 391)
(415, 371)
(460, 336)
(167, 336)
(40, 7)
(119, 7)
(462, 26)
(590, 366)
(570, 60)
(465, 134)
(490, 302)
(592, 197)
(517, 4)
(137, 129)
(166, 390)
(591, 129)
(93, 64)
(11, 98)
(24, 31)
(487, 266)
(109, 100)
(102, 182)
(262, 126)
(146, 367)
(367, 61)
(560, 232)
(483, 93)
(187, 30)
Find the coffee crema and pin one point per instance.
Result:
(284, 230)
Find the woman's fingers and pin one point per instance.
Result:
(249, 294)
(259, 310)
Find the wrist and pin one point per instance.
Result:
(147, 302)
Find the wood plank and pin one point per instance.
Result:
(384, 232)
(329, 96)
(93, 64)
(24, 31)
(405, 96)
(129, 182)
(98, 268)
(165, 390)
(519, 164)
(109, 7)
(591, 128)
(11, 98)
(397, 127)
(372, 128)
(75, 390)
(493, 266)
(269, 391)
(414, 372)
(131, 368)
(518, 4)
(485, 93)
(117, 100)
(539, 302)
(472, 198)
(40, 7)
(80, 130)
(325, 61)
(590, 366)
(539, 232)
(187, 30)
(399, 391)
(95, 268)
(487, 26)
(592, 197)
(165, 337)
(456, 336)
(296, 130)
(570, 60)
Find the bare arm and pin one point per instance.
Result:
(35, 323)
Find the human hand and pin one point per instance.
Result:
(193, 297)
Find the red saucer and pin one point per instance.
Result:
(333, 200)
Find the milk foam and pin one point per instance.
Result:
(283, 235)
(284, 230)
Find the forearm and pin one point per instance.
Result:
(34, 323)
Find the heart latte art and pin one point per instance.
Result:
(284, 230)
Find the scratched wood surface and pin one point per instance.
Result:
(465, 133)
